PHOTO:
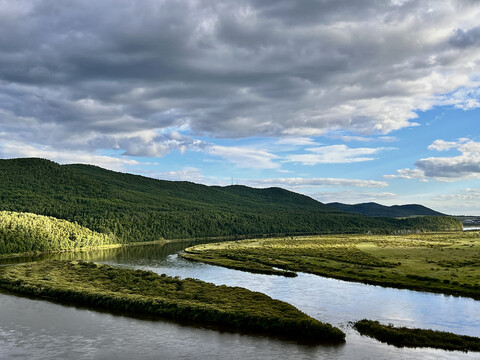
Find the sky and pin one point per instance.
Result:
(348, 101)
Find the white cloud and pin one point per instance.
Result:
(458, 202)
(353, 196)
(187, 173)
(442, 145)
(14, 149)
(245, 157)
(298, 182)
(407, 174)
(466, 165)
(452, 168)
(349, 138)
(333, 154)
(296, 141)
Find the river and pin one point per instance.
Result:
(39, 329)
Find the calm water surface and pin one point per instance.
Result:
(37, 329)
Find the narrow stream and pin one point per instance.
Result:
(37, 329)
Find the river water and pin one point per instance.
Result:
(38, 329)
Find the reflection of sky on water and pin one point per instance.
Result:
(36, 329)
(331, 300)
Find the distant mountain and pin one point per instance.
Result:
(138, 208)
(374, 209)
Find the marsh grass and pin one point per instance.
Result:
(406, 337)
(447, 262)
(144, 292)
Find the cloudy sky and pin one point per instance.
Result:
(348, 101)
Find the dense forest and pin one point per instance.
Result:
(24, 232)
(137, 208)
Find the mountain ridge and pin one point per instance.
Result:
(137, 208)
(375, 209)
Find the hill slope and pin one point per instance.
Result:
(374, 209)
(136, 208)
(24, 232)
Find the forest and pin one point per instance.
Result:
(134, 208)
(30, 233)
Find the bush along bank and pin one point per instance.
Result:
(406, 337)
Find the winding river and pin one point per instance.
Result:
(39, 329)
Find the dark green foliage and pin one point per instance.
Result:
(374, 209)
(26, 233)
(138, 291)
(402, 336)
(135, 208)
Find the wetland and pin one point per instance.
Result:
(39, 329)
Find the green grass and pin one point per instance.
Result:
(446, 262)
(144, 292)
(406, 337)
(22, 233)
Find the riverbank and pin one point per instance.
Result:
(133, 244)
(447, 262)
(406, 337)
(144, 292)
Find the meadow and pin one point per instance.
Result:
(443, 262)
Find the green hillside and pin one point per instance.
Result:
(137, 208)
(374, 209)
(24, 232)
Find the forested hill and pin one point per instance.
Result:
(374, 209)
(232, 197)
(26, 233)
(137, 208)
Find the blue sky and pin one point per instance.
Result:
(349, 101)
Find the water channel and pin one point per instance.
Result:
(39, 329)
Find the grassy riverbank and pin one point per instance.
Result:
(446, 262)
(406, 337)
(138, 291)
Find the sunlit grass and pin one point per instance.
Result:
(447, 262)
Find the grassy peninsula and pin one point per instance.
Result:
(22, 233)
(447, 262)
(406, 337)
(138, 291)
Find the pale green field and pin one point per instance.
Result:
(447, 262)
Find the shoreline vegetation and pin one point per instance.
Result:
(144, 292)
(447, 262)
(407, 337)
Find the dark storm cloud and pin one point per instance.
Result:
(119, 74)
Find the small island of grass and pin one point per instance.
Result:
(406, 337)
(144, 292)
